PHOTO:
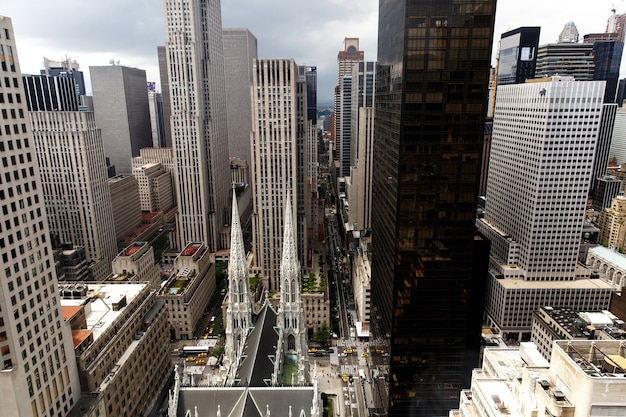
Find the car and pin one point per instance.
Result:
(331, 350)
(190, 359)
(212, 319)
(203, 355)
(200, 362)
(344, 378)
(380, 351)
(348, 351)
(312, 350)
(342, 355)
(364, 355)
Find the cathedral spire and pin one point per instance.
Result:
(239, 311)
(291, 311)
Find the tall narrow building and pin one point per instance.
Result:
(279, 159)
(39, 374)
(428, 268)
(120, 102)
(195, 64)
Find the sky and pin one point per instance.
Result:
(94, 32)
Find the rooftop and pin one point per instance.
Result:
(99, 309)
(191, 249)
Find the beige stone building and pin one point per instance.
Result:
(121, 343)
(136, 264)
(613, 224)
(155, 187)
(188, 290)
(125, 202)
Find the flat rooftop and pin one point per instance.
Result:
(99, 310)
(133, 248)
(191, 249)
(516, 283)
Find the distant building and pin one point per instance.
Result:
(77, 196)
(157, 118)
(165, 96)
(569, 34)
(518, 55)
(613, 224)
(240, 50)
(125, 203)
(607, 188)
(609, 265)
(72, 263)
(155, 187)
(603, 148)
(120, 101)
(566, 59)
(618, 139)
(136, 264)
(66, 68)
(50, 93)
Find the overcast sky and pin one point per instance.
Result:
(93, 32)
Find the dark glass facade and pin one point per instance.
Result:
(518, 55)
(428, 265)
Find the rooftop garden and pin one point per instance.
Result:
(313, 283)
(178, 285)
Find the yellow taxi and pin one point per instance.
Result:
(200, 362)
(190, 359)
(203, 355)
(344, 378)
(348, 351)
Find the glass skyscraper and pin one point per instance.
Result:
(429, 266)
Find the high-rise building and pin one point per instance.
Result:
(603, 147)
(240, 49)
(39, 374)
(157, 122)
(346, 58)
(311, 94)
(120, 102)
(518, 55)
(542, 150)
(50, 93)
(195, 64)
(618, 139)
(566, 59)
(569, 34)
(607, 57)
(607, 189)
(429, 267)
(165, 96)
(66, 68)
(279, 133)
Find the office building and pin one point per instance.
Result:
(199, 126)
(526, 188)
(583, 378)
(165, 96)
(120, 102)
(121, 345)
(346, 58)
(618, 139)
(607, 57)
(518, 55)
(155, 187)
(66, 68)
(50, 93)
(240, 49)
(311, 94)
(607, 189)
(74, 181)
(188, 289)
(278, 161)
(39, 376)
(569, 34)
(429, 269)
(157, 122)
(136, 264)
(613, 224)
(603, 147)
(124, 191)
(566, 59)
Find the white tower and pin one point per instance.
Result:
(542, 150)
(239, 311)
(291, 311)
(194, 54)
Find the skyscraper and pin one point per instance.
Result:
(569, 34)
(66, 68)
(279, 135)
(518, 55)
(195, 63)
(573, 59)
(346, 58)
(240, 49)
(120, 102)
(427, 273)
(542, 149)
(39, 374)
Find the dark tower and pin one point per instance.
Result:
(518, 55)
(428, 265)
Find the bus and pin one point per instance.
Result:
(195, 350)
(362, 375)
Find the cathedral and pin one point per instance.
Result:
(258, 347)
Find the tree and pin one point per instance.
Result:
(322, 334)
